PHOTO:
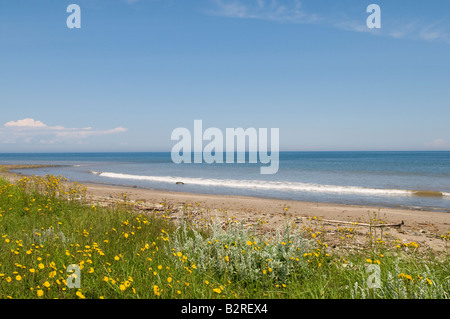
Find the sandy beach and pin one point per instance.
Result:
(422, 227)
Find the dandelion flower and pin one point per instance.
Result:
(40, 293)
(156, 290)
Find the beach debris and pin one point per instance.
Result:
(356, 223)
(428, 194)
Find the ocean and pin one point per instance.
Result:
(415, 180)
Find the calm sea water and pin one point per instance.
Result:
(361, 178)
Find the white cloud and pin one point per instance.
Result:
(431, 33)
(416, 29)
(289, 11)
(25, 123)
(352, 25)
(31, 131)
(438, 144)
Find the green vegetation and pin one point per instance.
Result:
(47, 225)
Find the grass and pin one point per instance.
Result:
(47, 224)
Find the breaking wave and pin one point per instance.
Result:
(274, 185)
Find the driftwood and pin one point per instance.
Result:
(148, 208)
(358, 224)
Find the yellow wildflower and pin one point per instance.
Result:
(156, 290)
(80, 295)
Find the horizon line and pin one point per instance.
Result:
(281, 151)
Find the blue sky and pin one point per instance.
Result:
(136, 70)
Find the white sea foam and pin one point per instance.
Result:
(265, 185)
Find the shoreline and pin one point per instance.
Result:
(423, 193)
(421, 226)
